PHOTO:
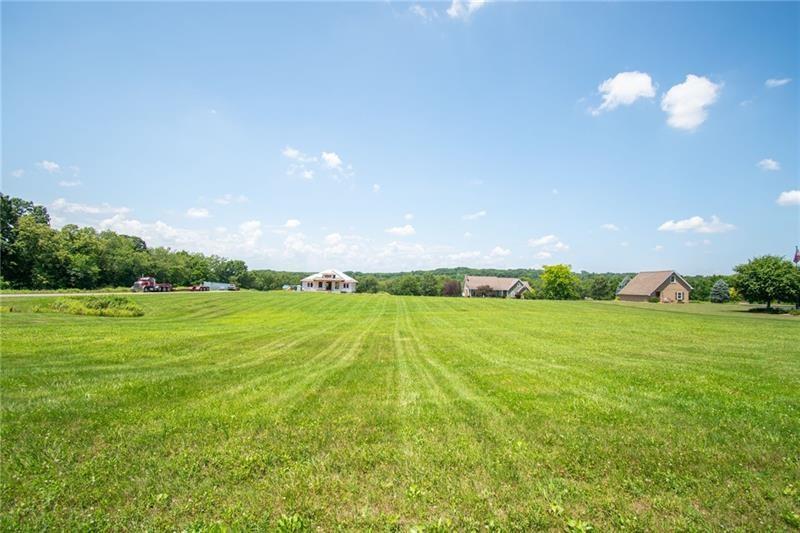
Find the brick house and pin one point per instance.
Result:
(666, 285)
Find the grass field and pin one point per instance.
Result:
(291, 411)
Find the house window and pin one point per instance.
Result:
(672, 280)
(679, 296)
(344, 285)
(658, 294)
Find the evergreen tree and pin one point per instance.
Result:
(720, 292)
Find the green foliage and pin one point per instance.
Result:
(720, 292)
(118, 306)
(35, 256)
(767, 279)
(559, 283)
(367, 284)
(429, 285)
(406, 285)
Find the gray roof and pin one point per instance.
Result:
(496, 284)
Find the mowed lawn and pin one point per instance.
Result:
(281, 410)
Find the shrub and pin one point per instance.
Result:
(654, 299)
(118, 306)
(451, 287)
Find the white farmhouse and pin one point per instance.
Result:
(328, 281)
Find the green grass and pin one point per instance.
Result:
(282, 411)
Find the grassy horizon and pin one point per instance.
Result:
(281, 410)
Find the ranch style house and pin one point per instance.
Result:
(328, 281)
(666, 285)
(498, 287)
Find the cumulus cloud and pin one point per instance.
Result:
(776, 82)
(499, 251)
(624, 89)
(227, 199)
(49, 166)
(332, 160)
(547, 245)
(463, 9)
(402, 231)
(63, 206)
(197, 212)
(333, 239)
(291, 223)
(609, 227)
(69, 183)
(787, 198)
(697, 224)
(769, 164)
(686, 104)
(409, 216)
(475, 216)
(542, 241)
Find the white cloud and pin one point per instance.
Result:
(308, 174)
(543, 241)
(291, 223)
(18, 173)
(69, 183)
(409, 216)
(610, 227)
(332, 160)
(658, 248)
(475, 216)
(426, 14)
(624, 89)
(769, 164)
(376, 188)
(197, 212)
(76, 170)
(460, 256)
(789, 198)
(692, 244)
(467, 235)
(333, 239)
(499, 251)
(49, 166)
(776, 82)
(547, 245)
(63, 206)
(227, 199)
(296, 155)
(463, 9)
(686, 104)
(402, 231)
(697, 224)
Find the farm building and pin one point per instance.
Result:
(497, 287)
(666, 285)
(328, 281)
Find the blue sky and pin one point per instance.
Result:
(388, 136)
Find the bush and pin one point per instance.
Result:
(118, 306)
(720, 292)
(451, 287)
(654, 300)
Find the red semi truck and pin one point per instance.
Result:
(148, 284)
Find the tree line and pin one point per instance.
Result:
(34, 255)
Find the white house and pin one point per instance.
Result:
(328, 281)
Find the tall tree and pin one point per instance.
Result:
(559, 283)
(767, 279)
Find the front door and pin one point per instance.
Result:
(328, 286)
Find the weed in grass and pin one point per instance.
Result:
(116, 306)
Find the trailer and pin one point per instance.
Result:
(218, 286)
(149, 284)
